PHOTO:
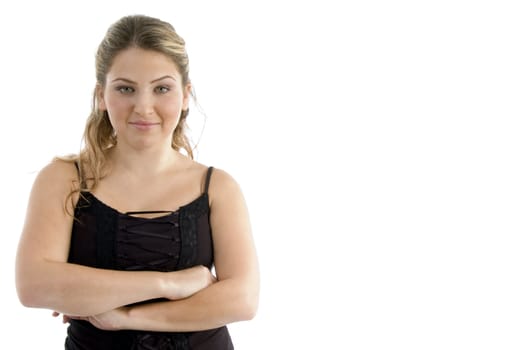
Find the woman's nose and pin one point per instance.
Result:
(143, 104)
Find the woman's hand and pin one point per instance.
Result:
(65, 318)
(184, 283)
(112, 320)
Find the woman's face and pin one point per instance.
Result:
(144, 96)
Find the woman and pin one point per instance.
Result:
(121, 238)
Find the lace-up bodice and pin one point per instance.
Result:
(103, 237)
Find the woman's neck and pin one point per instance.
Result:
(145, 163)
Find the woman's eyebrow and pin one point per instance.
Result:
(153, 81)
(163, 77)
(124, 80)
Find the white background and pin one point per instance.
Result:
(380, 146)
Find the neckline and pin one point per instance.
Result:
(125, 214)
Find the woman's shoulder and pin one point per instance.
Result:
(219, 177)
(58, 170)
(222, 183)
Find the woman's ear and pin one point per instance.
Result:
(187, 93)
(101, 104)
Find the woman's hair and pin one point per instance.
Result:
(130, 31)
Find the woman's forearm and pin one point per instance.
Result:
(222, 303)
(79, 290)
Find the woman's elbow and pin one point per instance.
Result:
(26, 283)
(250, 312)
(31, 290)
(248, 305)
(27, 294)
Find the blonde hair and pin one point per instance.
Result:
(130, 31)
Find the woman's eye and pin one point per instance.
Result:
(162, 89)
(124, 89)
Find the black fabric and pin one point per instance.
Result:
(207, 181)
(106, 238)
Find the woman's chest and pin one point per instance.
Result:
(106, 238)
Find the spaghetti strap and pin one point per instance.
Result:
(208, 175)
(82, 182)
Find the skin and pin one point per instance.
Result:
(144, 96)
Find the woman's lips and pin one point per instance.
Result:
(143, 125)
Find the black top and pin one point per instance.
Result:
(105, 238)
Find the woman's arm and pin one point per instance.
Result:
(44, 279)
(234, 297)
